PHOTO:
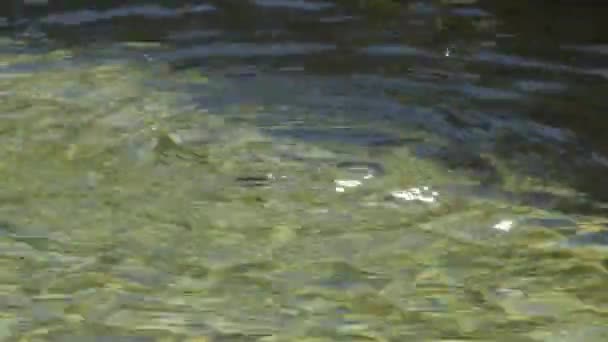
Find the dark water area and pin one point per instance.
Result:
(480, 67)
(500, 107)
(521, 82)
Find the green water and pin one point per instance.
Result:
(131, 212)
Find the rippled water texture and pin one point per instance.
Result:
(279, 170)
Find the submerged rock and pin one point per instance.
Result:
(422, 194)
(353, 173)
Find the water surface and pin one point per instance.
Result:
(302, 171)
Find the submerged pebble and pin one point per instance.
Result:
(341, 184)
(504, 225)
(347, 183)
(357, 172)
(422, 194)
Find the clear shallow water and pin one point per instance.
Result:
(267, 179)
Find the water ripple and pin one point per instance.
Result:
(295, 4)
(150, 11)
(246, 50)
(396, 50)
